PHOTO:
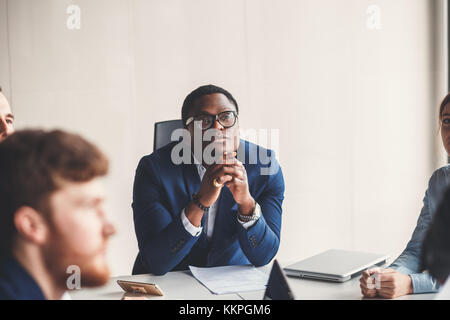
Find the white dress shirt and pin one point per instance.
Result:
(211, 215)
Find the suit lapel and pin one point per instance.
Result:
(191, 178)
(192, 184)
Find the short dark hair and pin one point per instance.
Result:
(33, 163)
(190, 99)
(435, 253)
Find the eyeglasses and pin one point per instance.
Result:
(227, 119)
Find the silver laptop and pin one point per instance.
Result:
(335, 265)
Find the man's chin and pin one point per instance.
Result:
(95, 276)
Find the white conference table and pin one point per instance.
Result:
(181, 285)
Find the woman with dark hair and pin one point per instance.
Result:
(435, 256)
(404, 276)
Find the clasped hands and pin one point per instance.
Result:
(385, 283)
(232, 174)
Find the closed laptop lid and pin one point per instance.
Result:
(335, 262)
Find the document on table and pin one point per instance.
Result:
(231, 279)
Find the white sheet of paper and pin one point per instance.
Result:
(231, 279)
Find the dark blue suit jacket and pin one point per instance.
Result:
(16, 283)
(162, 190)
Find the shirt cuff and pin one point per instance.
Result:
(423, 282)
(250, 223)
(193, 230)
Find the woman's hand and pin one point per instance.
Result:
(388, 283)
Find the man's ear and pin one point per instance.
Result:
(31, 225)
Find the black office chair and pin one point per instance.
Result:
(163, 131)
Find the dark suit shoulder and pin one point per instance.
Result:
(16, 283)
(158, 160)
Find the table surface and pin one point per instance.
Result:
(181, 285)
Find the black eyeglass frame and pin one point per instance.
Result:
(214, 118)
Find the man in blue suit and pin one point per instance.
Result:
(207, 213)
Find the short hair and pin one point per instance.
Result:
(33, 163)
(435, 253)
(190, 99)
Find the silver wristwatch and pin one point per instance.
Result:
(253, 217)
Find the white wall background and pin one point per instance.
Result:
(356, 107)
